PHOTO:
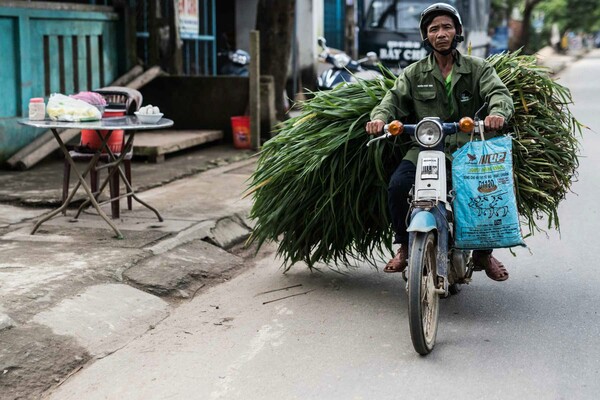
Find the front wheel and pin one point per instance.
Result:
(423, 301)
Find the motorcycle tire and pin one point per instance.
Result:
(423, 301)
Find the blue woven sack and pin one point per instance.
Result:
(485, 207)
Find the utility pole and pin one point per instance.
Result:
(255, 89)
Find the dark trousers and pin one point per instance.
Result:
(401, 182)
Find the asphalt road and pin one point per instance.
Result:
(534, 336)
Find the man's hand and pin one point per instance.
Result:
(374, 127)
(493, 122)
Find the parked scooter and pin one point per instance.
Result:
(236, 63)
(344, 69)
(435, 267)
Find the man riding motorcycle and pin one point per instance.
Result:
(448, 85)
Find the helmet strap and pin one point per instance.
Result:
(452, 50)
(445, 52)
(457, 39)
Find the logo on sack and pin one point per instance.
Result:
(472, 158)
(486, 186)
(495, 158)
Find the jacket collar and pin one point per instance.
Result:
(460, 68)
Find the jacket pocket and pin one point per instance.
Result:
(424, 95)
(426, 104)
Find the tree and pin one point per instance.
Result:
(575, 15)
(528, 7)
(275, 21)
(570, 15)
(555, 11)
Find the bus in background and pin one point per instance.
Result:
(390, 28)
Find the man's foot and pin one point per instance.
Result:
(493, 267)
(399, 262)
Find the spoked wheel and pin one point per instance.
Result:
(423, 301)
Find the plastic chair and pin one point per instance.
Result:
(117, 98)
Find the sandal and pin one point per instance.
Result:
(399, 262)
(493, 267)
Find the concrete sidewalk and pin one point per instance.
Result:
(72, 292)
(555, 61)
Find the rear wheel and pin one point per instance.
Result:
(423, 301)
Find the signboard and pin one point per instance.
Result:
(189, 19)
(402, 51)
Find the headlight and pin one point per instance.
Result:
(429, 132)
(340, 60)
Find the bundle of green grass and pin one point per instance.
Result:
(321, 193)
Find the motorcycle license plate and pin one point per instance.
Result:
(429, 168)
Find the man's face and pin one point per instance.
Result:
(441, 32)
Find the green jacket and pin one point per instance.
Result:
(420, 92)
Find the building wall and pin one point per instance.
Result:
(310, 15)
(309, 20)
(50, 48)
(245, 21)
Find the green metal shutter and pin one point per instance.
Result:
(334, 23)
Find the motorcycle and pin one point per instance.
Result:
(236, 63)
(435, 267)
(344, 69)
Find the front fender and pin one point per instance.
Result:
(423, 221)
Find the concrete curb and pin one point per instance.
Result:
(225, 233)
(6, 322)
(104, 318)
(183, 271)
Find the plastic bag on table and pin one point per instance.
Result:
(93, 98)
(485, 205)
(65, 108)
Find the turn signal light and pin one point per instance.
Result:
(466, 124)
(395, 128)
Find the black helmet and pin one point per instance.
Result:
(435, 10)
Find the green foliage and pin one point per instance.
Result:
(583, 15)
(575, 15)
(318, 190)
(545, 138)
(322, 194)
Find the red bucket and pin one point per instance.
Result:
(90, 139)
(240, 126)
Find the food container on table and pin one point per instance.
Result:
(148, 118)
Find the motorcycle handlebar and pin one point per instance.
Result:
(466, 125)
(395, 128)
(448, 128)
